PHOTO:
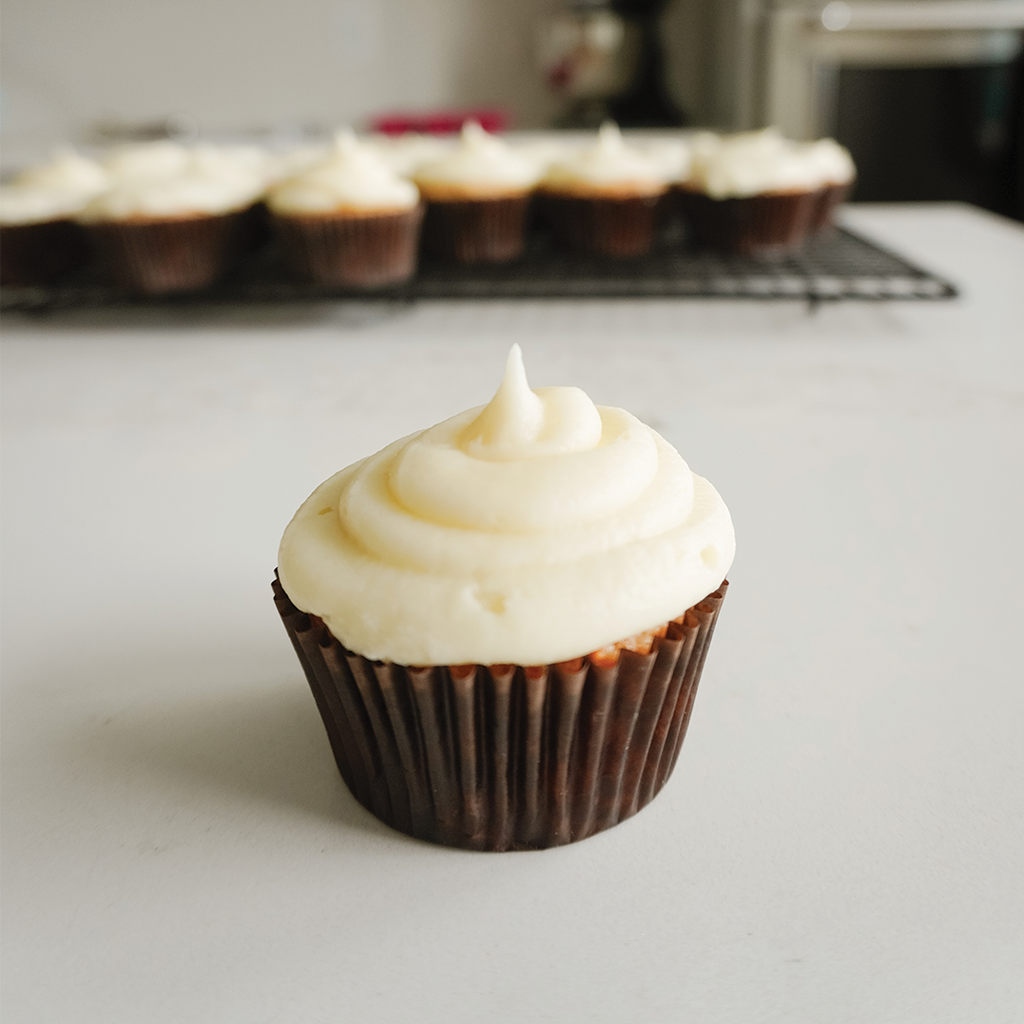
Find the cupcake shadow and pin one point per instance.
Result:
(229, 742)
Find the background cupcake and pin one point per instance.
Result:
(751, 193)
(503, 618)
(168, 223)
(603, 200)
(349, 220)
(477, 199)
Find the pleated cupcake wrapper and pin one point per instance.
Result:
(504, 757)
(602, 226)
(173, 255)
(352, 252)
(41, 253)
(764, 225)
(476, 230)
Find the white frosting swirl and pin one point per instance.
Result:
(608, 166)
(66, 171)
(831, 160)
(351, 178)
(185, 195)
(25, 204)
(481, 164)
(159, 159)
(756, 163)
(672, 155)
(535, 529)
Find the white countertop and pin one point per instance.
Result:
(843, 837)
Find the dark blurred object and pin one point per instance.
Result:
(605, 57)
(111, 131)
(936, 133)
(646, 102)
(926, 96)
(440, 122)
(41, 253)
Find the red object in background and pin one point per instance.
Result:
(440, 122)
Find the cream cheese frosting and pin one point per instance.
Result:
(159, 159)
(27, 204)
(352, 177)
(482, 164)
(184, 195)
(534, 529)
(66, 171)
(672, 155)
(755, 163)
(833, 162)
(609, 165)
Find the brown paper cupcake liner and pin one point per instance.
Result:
(764, 225)
(157, 257)
(476, 230)
(603, 226)
(41, 253)
(503, 757)
(352, 252)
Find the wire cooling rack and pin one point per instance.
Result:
(836, 266)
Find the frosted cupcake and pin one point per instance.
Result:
(753, 193)
(348, 221)
(504, 618)
(160, 230)
(477, 199)
(602, 200)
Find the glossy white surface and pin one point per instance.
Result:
(843, 836)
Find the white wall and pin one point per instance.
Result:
(243, 65)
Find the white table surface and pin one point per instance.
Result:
(843, 838)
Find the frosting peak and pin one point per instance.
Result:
(522, 424)
(609, 164)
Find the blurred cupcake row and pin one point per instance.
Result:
(163, 218)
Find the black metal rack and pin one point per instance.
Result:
(835, 266)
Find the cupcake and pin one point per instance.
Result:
(477, 199)
(348, 221)
(39, 239)
(504, 618)
(603, 200)
(169, 226)
(753, 193)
